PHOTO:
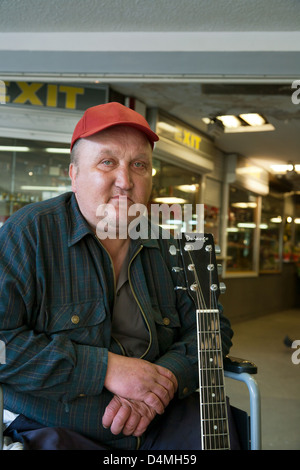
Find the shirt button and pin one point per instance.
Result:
(185, 390)
(75, 319)
(166, 321)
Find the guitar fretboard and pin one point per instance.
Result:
(213, 408)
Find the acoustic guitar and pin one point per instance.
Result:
(202, 283)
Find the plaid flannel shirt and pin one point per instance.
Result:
(56, 296)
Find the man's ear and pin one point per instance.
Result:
(72, 175)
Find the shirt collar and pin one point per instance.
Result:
(79, 226)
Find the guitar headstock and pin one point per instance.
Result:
(198, 253)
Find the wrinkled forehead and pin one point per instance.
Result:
(108, 140)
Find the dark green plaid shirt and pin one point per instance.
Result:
(56, 298)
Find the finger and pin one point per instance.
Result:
(120, 419)
(142, 426)
(166, 373)
(132, 423)
(167, 390)
(151, 399)
(110, 412)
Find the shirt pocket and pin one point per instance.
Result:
(82, 322)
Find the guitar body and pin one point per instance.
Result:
(202, 283)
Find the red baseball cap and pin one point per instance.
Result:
(103, 116)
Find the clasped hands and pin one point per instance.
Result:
(141, 390)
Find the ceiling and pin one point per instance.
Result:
(195, 58)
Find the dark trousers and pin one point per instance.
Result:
(177, 429)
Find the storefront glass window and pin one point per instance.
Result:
(212, 221)
(297, 233)
(178, 189)
(31, 171)
(270, 234)
(241, 230)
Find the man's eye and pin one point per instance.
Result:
(107, 162)
(139, 165)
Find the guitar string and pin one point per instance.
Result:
(221, 416)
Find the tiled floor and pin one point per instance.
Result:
(262, 341)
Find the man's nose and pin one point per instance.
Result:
(123, 178)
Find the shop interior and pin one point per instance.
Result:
(199, 99)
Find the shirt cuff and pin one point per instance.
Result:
(89, 373)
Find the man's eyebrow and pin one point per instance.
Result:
(104, 153)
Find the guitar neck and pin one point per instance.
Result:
(202, 282)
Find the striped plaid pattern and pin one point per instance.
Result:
(56, 298)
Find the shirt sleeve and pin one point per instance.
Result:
(36, 363)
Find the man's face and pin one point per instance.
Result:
(113, 167)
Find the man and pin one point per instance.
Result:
(98, 342)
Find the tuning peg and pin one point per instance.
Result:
(222, 288)
(220, 269)
(180, 288)
(214, 287)
(217, 250)
(194, 286)
(173, 250)
(177, 269)
(189, 247)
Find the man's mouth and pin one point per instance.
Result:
(122, 199)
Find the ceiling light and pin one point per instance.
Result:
(207, 120)
(246, 225)
(46, 188)
(13, 148)
(57, 150)
(170, 200)
(282, 168)
(230, 121)
(167, 127)
(168, 227)
(244, 205)
(173, 221)
(297, 221)
(276, 220)
(253, 119)
(188, 188)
